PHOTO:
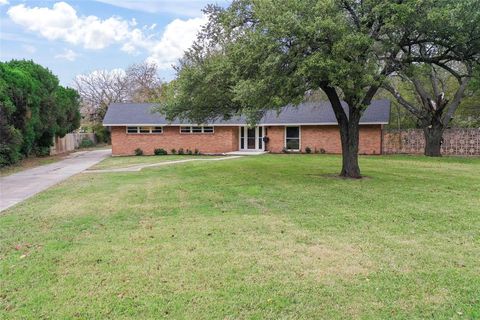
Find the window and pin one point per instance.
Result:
(145, 130)
(196, 129)
(292, 138)
(132, 129)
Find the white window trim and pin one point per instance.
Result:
(138, 130)
(191, 130)
(245, 141)
(299, 138)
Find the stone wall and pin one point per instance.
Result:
(458, 142)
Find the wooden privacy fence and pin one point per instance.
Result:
(70, 142)
(458, 142)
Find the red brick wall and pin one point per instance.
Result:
(224, 139)
(327, 138)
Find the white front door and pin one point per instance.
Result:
(251, 138)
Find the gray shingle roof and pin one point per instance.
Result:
(129, 114)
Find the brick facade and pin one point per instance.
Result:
(458, 142)
(226, 139)
(326, 138)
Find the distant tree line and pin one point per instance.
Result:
(98, 89)
(34, 109)
(139, 83)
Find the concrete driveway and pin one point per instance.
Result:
(20, 186)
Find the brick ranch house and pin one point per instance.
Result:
(310, 125)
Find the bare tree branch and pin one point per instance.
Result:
(98, 89)
(407, 105)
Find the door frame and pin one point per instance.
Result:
(245, 138)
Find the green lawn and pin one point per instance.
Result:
(266, 237)
(128, 161)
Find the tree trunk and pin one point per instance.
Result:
(349, 134)
(433, 140)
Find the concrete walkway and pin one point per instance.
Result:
(22, 185)
(136, 168)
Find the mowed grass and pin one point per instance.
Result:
(265, 237)
(128, 161)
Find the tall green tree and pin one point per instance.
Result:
(33, 109)
(263, 54)
(10, 137)
(68, 117)
(34, 98)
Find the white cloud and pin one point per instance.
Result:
(178, 37)
(61, 22)
(68, 54)
(3, 2)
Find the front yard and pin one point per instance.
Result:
(265, 237)
(125, 162)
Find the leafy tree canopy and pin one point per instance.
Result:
(263, 54)
(34, 108)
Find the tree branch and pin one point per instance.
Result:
(336, 103)
(407, 105)
(456, 101)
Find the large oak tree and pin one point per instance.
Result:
(258, 55)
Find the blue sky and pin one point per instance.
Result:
(76, 37)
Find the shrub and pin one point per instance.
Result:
(138, 152)
(86, 143)
(42, 151)
(189, 152)
(173, 151)
(160, 152)
(34, 109)
(308, 150)
(101, 133)
(180, 151)
(9, 143)
(196, 152)
(322, 151)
